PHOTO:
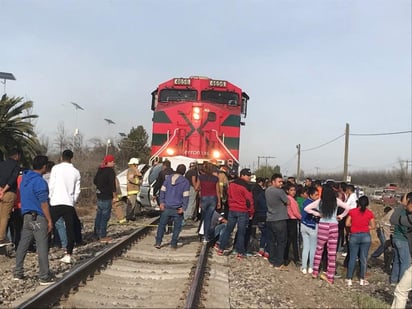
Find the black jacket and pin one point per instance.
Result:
(9, 171)
(260, 203)
(105, 181)
(160, 179)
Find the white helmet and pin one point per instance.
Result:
(134, 161)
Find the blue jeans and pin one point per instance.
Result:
(177, 225)
(61, 230)
(381, 247)
(263, 236)
(277, 237)
(219, 230)
(401, 259)
(359, 244)
(104, 210)
(309, 239)
(208, 205)
(242, 220)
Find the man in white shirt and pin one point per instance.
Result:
(351, 201)
(64, 187)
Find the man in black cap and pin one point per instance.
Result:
(241, 209)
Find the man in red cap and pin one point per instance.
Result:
(105, 181)
(241, 210)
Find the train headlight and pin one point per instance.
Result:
(170, 151)
(196, 113)
(216, 154)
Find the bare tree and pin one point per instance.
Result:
(61, 141)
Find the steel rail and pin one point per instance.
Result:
(193, 298)
(52, 294)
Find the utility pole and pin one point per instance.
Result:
(345, 162)
(264, 157)
(408, 178)
(298, 168)
(266, 163)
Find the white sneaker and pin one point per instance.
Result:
(66, 259)
(303, 270)
(344, 254)
(349, 282)
(310, 270)
(363, 282)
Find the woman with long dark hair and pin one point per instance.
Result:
(326, 208)
(360, 221)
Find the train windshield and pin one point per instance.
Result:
(221, 97)
(168, 95)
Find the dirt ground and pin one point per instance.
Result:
(289, 289)
(260, 286)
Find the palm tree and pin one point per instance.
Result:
(16, 128)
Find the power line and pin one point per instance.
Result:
(289, 161)
(349, 134)
(377, 134)
(357, 134)
(317, 147)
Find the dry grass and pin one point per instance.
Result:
(365, 301)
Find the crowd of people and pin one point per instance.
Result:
(37, 207)
(307, 225)
(304, 224)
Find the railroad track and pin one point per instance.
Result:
(131, 272)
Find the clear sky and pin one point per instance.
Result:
(309, 68)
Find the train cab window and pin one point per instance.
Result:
(154, 99)
(173, 95)
(220, 97)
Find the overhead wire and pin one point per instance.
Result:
(379, 134)
(327, 143)
(355, 134)
(288, 161)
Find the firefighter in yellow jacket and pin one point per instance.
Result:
(133, 189)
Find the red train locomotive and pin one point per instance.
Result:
(198, 118)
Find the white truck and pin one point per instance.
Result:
(377, 196)
(145, 198)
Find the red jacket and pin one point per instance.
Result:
(240, 198)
